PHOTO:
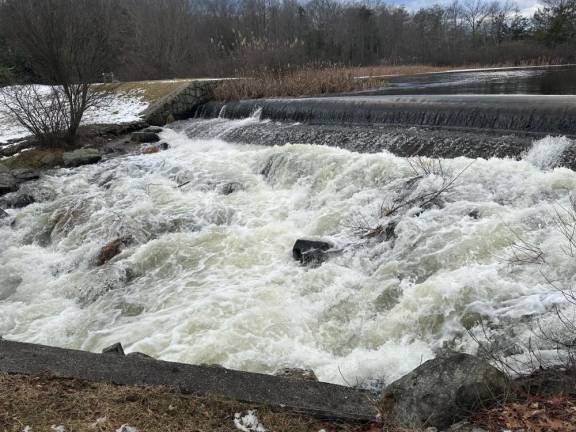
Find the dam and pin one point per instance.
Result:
(524, 114)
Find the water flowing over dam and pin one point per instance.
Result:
(207, 275)
(526, 114)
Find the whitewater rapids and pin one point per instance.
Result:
(209, 277)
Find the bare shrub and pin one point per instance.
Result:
(560, 338)
(69, 43)
(523, 252)
(565, 223)
(50, 113)
(421, 170)
(384, 227)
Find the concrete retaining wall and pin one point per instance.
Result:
(309, 397)
(180, 103)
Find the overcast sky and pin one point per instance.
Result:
(527, 7)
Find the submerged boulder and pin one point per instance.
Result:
(8, 183)
(111, 250)
(16, 200)
(81, 157)
(311, 252)
(156, 148)
(145, 137)
(230, 188)
(25, 174)
(443, 391)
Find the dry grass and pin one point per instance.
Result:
(41, 402)
(309, 81)
(151, 90)
(376, 71)
(314, 81)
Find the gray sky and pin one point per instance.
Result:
(527, 7)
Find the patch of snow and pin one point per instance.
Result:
(99, 422)
(27, 429)
(126, 428)
(58, 428)
(121, 108)
(248, 422)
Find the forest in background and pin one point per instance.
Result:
(164, 39)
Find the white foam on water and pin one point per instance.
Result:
(546, 153)
(210, 277)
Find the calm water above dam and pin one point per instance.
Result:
(538, 81)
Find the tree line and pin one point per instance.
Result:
(159, 39)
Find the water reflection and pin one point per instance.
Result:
(544, 81)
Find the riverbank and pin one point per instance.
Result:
(47, 403)
(44, 403)
(43, 387)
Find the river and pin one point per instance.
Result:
(542, 80)
(208, 276)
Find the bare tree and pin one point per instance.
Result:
(68, 43)
(475, 12)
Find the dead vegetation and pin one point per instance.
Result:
(556, 413)
(313, 80)
(42, 402)
(407, 197)
(306, 81)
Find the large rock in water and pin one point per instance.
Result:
(443, 391)
(311, 252)
(81, 157)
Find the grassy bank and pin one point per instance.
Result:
(42, 402)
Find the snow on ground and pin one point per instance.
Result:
(248, 422)
(121, 108)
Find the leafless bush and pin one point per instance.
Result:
(43, 113)
(68, 42)
(562, 337)
(51, 113)
(384, 227)
(565, 223)
(427, 166)
(523, 252)
(426, 169)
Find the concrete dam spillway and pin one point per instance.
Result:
(439, 126)
(524, 114)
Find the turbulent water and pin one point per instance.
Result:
(208, 276)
